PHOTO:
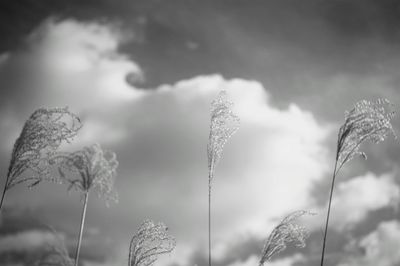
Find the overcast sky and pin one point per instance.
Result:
(142, 74)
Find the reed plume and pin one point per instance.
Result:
(42, 134)
(224, 123)
(85, 170)
(367, 121)
(150, 241)
(287, 231)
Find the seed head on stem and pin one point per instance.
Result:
(287, 231)
(43, 133)
(224, 123)
(90, 168)
(367, 121)
(150, 241)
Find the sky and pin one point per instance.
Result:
(141, 75)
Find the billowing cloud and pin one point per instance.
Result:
(356, 206)
(75, 64)
(380, 247)
(78, 60)
(356, 198)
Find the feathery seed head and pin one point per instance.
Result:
(288, 231)
(44, 131)
(367, 121)
(224, 123)
(150, 241)
(89, 169)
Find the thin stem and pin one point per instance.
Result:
(4, 193)
(328, 214)
(209, 220)
(210, 179)
(78, 248)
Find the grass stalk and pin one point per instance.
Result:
(328, 214)
(209, 222)
(78, 247)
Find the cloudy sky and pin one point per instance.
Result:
(141, 74)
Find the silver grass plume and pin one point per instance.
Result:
(224, 123)
(89, 169)
(43, 133)
(85, 170)
(288, 231)
(150, 241)
(367, 121)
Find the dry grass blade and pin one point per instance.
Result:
(89, 169)
(150, 241)
(288, 231)
(44, 131)
(367, 121)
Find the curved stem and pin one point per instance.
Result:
(328, 214)
(4, 193)
(78, 247)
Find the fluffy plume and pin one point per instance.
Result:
(288, 231)
(367, 121)
(150, 241)
(224, 123)
(44, 131)
(89, 169)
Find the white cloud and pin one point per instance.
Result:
(267, 170)
(82, 59)
(381, 247)
(76, 64)
(354, 199)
